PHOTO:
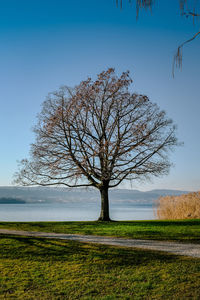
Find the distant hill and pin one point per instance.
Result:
(5, 200)
(61, 194)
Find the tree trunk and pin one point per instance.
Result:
(104, 216)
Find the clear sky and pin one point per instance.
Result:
(49, 43)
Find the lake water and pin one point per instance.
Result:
(72, 212)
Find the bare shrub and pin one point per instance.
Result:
(186, 206)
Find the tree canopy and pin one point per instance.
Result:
(98, 134)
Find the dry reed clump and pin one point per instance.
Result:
(186, 206)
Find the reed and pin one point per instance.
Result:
(186, 206)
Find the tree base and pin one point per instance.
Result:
(100, 219)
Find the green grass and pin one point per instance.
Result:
(185, 230)
(36, 268)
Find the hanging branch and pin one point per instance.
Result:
(185, 11)
(178, 57)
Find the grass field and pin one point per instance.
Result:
(186, 231)
(35, 268)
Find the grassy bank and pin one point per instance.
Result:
(187, 230)
(35, 268)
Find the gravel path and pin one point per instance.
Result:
(192, 250)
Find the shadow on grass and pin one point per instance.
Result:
(39, 249)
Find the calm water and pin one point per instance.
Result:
(72, 212)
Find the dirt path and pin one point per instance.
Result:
(192, 250)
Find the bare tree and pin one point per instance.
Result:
(98, 134)
(188, 9)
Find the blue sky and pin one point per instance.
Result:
(49, 43)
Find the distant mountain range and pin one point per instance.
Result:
(19, 195)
